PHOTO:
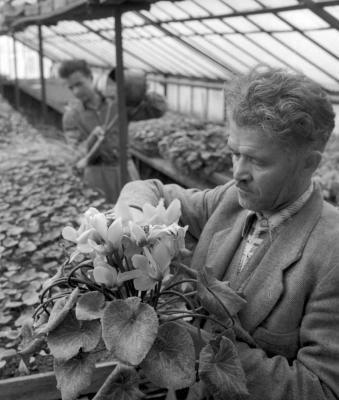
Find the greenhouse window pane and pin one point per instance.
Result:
(156, 12)
(198, 27)
(133, 19)
(261, 55)
(218, 26)
(172, 10)
(311, 51)
(333, 11)
(101, 24)
(269, 22)
(178, 28)
(295, 61)
(235, 51)
(241, 24)
(192, 9)
(304, 19)
(153, 31)
(279, 3)
(242, 5)
(219, 54)
(328, 38)
(215, 7)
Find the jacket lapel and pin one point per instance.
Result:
(224, 245)
(264, 285)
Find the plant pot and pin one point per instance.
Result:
(43, 386)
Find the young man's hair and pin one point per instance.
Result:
(285, 105)
(67, 68)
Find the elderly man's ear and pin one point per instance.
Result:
(312, 160)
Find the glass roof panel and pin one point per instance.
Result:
(304, 19)
(215, 7)
(218, 53)
(156, 12)
(152, 30)
(218, 26)
(269, 22)
(171, 10)
(207, 67)
(161, 57)
(241, 24)
(328, 38)
(279, 3)
(101, 24)
(260, 54)
(333, 11)
(311, 51)
(233, 50)
(296, 62)
(179, 28)
(198, 27)
(192, 9)
(69, 28)
(132, 18)
(243, 5)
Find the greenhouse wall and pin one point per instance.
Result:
(201, 99)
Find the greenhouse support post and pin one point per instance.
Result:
(15, 62)
(123, 138)
(42, 78)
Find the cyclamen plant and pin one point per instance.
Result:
(131, 300)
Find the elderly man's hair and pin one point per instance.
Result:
(285, 105)
(67, 68)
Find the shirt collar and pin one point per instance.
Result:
(276, 219)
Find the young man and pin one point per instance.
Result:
(271, 235)
(91, 127)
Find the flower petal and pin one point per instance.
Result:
(115, 233)
(144, 283)
(69, 233)
(106, 276)
(173, 212)
(99, 223)
(122, 210)
(161, 256)
(137, 233)
(139, 261)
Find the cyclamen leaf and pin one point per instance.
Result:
(72, 335)
(59, 311)
(90, 306)
(221, 371)
(171, 361)
(121, 384)
(74, 376)
(210, 287)
(129, 329)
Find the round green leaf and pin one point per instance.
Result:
(70, 336)
(220, 369)
(129, 329)
(74, 376)
(171, 361)
(90, 306)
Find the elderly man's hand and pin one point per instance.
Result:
(81, 165)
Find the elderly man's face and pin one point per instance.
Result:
(268, 177)
(81, 86)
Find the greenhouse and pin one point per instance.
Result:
(153, 289)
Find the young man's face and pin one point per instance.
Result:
(268, 176)
(81, 86)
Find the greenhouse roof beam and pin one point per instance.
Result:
(243, 13)
(189, 45)
(323, 14)
(304, 35)
(112, 41)
(295, 51)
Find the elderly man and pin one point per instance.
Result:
(90, 123)
(271, 235)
